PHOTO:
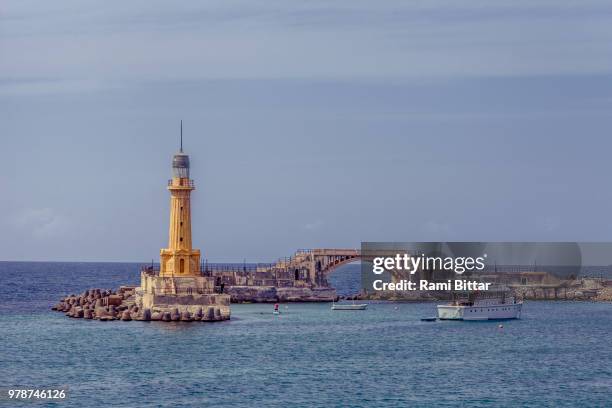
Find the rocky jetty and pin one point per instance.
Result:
(272, 294)
(605, 295)
(581, 289)
(106, 305)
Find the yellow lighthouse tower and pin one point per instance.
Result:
(178, 290)
(180, 259)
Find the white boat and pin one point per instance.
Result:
(482, 306)
(348, 306)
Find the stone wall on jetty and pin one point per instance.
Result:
(555, 293)
(272, 294)
(189, 294)
(605, 295)
(106, 304)
(581, 289)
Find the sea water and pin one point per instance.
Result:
(558, 354)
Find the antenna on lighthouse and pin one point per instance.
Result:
(181, 135)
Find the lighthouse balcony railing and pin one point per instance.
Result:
(229, 272)
(214, 269)
(182, 182)
(151, 270)
(182, 291)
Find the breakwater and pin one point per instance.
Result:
(107, 305)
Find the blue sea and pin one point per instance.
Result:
(558, 355)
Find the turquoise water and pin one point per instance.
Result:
(558, 354)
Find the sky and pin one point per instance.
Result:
(309, 124)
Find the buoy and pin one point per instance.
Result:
(501, 326)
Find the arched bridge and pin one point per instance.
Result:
(314, 265)
(306, 268)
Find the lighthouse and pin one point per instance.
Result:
(180, 259)
(178, 290)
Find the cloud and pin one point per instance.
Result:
(40, 222)
(312, 226)
(551, 223)
(438, 228)
(148, 41)
(41, 87)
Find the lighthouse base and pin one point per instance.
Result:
(188, 297)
